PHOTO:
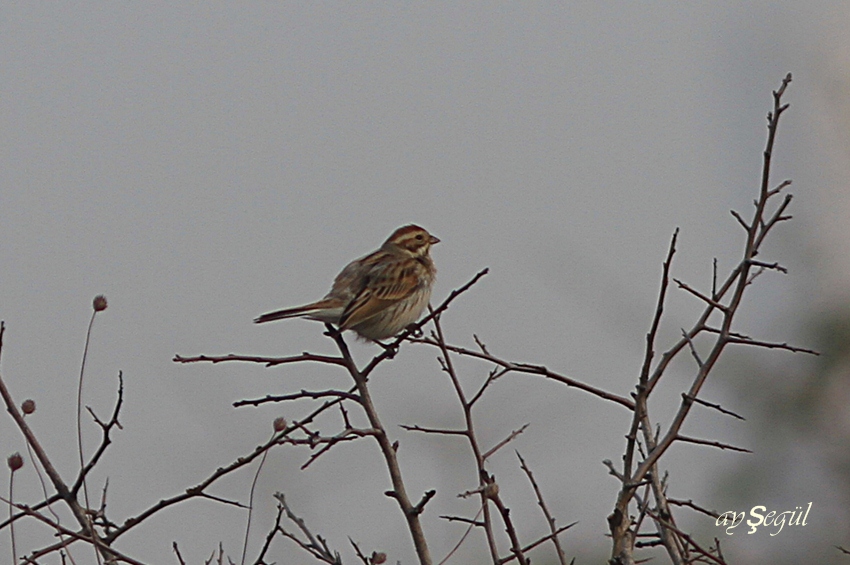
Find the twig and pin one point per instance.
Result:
(471, 521)
(472, 524)
(420, 506)
(177, 553)
(562, 557)
(701, 296)
(513, 435)
(740, 220)
(298, 396)
(531, 370)
(711, 443)
(535, 543)
(316, 546)
(692, 347)
(690, 504)
(712, 405)
(486, 483)
(417, 428)
(387, 449)
(267, 361)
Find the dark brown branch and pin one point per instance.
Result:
(358, 552)
(701, 296)
(512, 436)
(486, 484)
(61, 488)
(491, 378)
(270, 536)
(177, 553)
(420, 506)
(535, 543)
(517, 551)
(779, 188)
(299, 395)
(531, 370)
(740, 220)
(690, 504)
(704, 552)
(771, 345)
(712, 405)
(562, 557)
(267, 361)
(198, 490)
(315, 545)
(692, 348)
(348, 434)
(387, 449)
(771, 266)
(711, 443)
(465, 520)
(59, 528)
(106, 440)
(417, 428)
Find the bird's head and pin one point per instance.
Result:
(412, 239)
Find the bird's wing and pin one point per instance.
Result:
(383, 287)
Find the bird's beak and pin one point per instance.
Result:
(434, 240)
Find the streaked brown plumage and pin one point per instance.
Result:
(380, 294)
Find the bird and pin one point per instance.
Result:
(378, 295)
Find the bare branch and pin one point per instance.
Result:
(535, 543)
(472, 524)
(771, 345)
(298, 396)
(771, 266)
(517, 551)
(504, 442)
(347, 434)
(472, 521)
(177, 553)
(704, 552)
(690, 504)
(388, 450)
(420, 506)
(531, 370)
(701, 296)
(740, 220)
(711, 443)
(315, 545)
(711, 405)
(562, 557)
(494, 375)
(267, 361)
(417, 428)
(692, 347)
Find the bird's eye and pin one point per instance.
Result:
(419, 237)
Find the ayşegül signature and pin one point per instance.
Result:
(760, 517)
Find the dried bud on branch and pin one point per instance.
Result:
(15, 461)
(28, 406)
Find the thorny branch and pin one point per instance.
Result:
(641, 505)
(724, 300)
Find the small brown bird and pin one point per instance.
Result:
(380, 294)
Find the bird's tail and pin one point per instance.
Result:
(327, 310)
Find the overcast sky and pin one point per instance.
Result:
(202, 164)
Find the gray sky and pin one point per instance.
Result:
(202, 164)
